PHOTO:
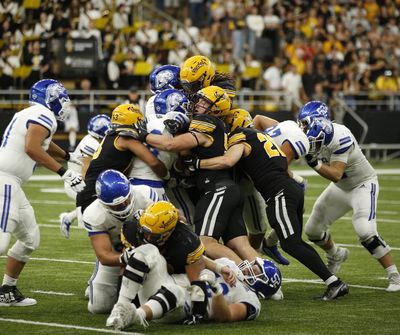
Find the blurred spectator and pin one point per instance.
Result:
(134, 47)
(71, 126)
(365, 81)
(178, 55)
(8, 63)
(60, 26)
(88, 14)
(351, 88)
(196, 12)
(319, 93)
(188, 35)
(165, 36)
(9, 7)
(113, 73)
(255, 25)
(135, 98)
(273, 75)
(127, 77)
(292, 85)
(42, 28)
(85, 106)
(377, 63)
(38, 61)
(335, 80)
(204, 45)
(249, 80)
(121, 17)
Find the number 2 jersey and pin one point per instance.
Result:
(266, 164)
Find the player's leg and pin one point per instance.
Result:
(103, 288)
(332, 204)
(180, 199)
(364, 202)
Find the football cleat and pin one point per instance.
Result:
(394, 283)
(278, 295)
(335, 261)
(65, 224)
(273, 253)
(11, 296)
(121, 316)
(335, 290)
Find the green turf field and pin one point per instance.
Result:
(57, 273)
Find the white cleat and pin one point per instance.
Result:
(335, 261)
(65, 224)
(121, 315)
(278, 295)
(394, 283)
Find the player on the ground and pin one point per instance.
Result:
(27, 141)
(336, 155)
(263, 161)
(97, 127)
(116, 202)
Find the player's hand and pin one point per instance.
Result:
(74, 179)
(75, 158)
(126, 254)
(141, 131)
(228, 275)
(176, 122)
(191, 163)
(193, 320)
(312, 161)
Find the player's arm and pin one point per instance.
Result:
(85, 164)
(193, 269)
(224, 270)
(224, 312)
(229, 159)
(178, 143)
(262, 122)
(34, 138)
(56, 152)
(142, 152)
(288, 151)
(102, 247)
(333, 172)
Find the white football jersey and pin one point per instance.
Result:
(238, 293)
(344, 148)
(149, 109)
(86, 148)
(140, 169)
(13, 158)
(289, 131)
(97, 219)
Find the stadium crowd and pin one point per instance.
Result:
(312, 50)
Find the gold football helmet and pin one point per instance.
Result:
(218, 101)
(126, 114)
(196, 72)
(157, 222)
(239, 118)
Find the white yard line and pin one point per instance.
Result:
(51, 202)
(57, 260)
(60, 325)
(52, 292)
(317, 281)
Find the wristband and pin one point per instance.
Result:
(317, 166)
(61, 171)
(299, 179)
(67, 156)
(218, 267)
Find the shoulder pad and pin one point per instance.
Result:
(203, 124)
(236, 137)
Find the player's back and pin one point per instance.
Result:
(289, 131)
(14, 160)
(140, 169)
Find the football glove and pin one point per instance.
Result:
(126, 254)
(74, 179)
(75, 158)
(141, 131)
(209, 277)
(312, 161)
(193, 320)
(191, 163)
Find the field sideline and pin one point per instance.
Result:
(57, 273)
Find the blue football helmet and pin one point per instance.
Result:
(114, 191)
(164, 77)
(53, 95)
(266, 282)
(98, 125)
(311, 110)
(319, 132)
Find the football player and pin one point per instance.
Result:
(218, 213)
(97, 127)
(116, 202)
(162, 78)
(158, 231)
(265, 163)
(336, 156)
(198, 72)
(27, 141)
(116, 151)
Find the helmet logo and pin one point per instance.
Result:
(173, 101)
(163, 78)
(201, 63)
(53, 92)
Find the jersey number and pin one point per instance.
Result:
(270, 148)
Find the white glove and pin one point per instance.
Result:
(75, 158)
(210, 278)
(126, 254)
(74, 179)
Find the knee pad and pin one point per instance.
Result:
(376, 246)
(168, 297)
(22, 250)
(319, 239)
(136, 269)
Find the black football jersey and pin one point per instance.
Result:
(182, 248)
(107, 156)
(215, 129)
(266, 164)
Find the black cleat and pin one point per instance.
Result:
(11, 296)
(335, 290)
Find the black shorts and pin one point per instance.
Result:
(219, 212)
(285, 211)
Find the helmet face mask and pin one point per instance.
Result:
(262, 276)
(318, 132)
(157, 223)
(114, 192)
